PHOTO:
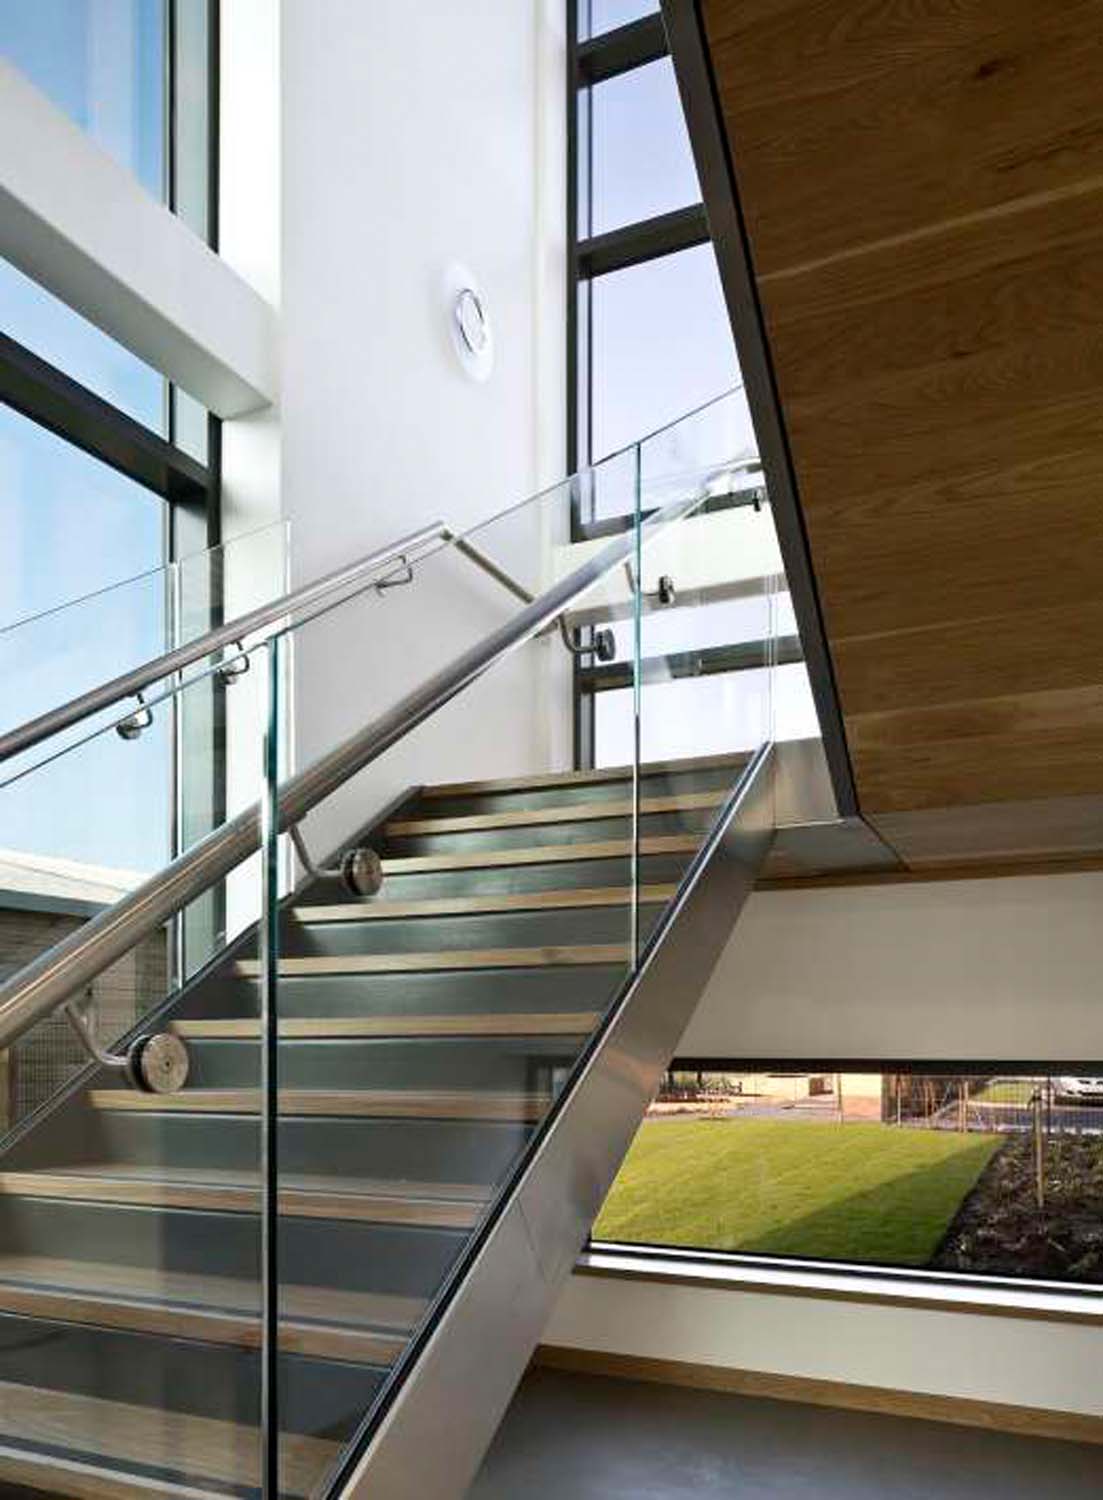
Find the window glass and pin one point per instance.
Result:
(939, 1172)
(44, 324)
(640, 163)
(69, 527)
(661, 345)
(690, 716)
(103, 64)
(596, 16)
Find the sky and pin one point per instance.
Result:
(68, 524)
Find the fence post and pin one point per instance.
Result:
(1039, 1161)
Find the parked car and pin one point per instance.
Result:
(1082, 1090)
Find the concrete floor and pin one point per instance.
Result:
(575, 1437)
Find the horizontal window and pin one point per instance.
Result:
(996, 1174)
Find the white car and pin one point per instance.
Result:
(1088, 1089)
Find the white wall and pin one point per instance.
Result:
(415, 136)
(992, 969)
(1014, 1361)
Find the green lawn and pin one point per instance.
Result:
(1005, 1093)
(854, 1192)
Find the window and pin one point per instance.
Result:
(650, 340)
(994, 1173)
(106, 472)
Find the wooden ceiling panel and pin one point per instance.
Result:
(903, 112)
(922, 186)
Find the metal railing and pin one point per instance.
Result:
(49, 980)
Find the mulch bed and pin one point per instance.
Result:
(999, 1229)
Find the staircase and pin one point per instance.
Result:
(424, 1035)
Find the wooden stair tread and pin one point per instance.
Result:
(455, 958)
(438, 1205)
(378, 1310)
(538, 780)
(316, 1321)
(544, 854)
(463, 906)
(578, 812)
(406, 1104)
(100, 1434)
(535, 1024)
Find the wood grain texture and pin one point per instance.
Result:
(545, 854)
(1028, 1421)
(111, 1435)
(537, 780)
(446, 1206)
(464, 906)
(389, 1104)
(458, 958)
(579, 812)
(528, 1023)
(922, 182)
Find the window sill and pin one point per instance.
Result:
(940, 1292)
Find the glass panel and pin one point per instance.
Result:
(141, 1208)
(427, 1024)
(640, 161)
(432, 1026)
(661, 342)
(597, 16)
(104, 66)
(980, 1174)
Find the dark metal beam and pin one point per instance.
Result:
(741, 656)
(715, 170)
(54, 400)
(680, 229)
(619, 51)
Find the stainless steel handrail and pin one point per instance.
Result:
(128, 684)
(44, 984)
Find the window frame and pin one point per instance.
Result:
(661, 1262)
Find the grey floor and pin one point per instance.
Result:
(574, 1437)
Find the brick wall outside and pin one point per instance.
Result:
(41, 1061)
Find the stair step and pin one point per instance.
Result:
(456, 958)
(427, 1205)
(572, 813)
(562, 1023)
(315, 1321)
(480, 859)
(539, 780)
(429, 1104)
(506, 901)
(89, 1444)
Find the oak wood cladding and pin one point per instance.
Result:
(922, 184)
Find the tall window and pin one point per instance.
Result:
(106, 470)
(649, 340)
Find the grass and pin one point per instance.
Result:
(843, 1192)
